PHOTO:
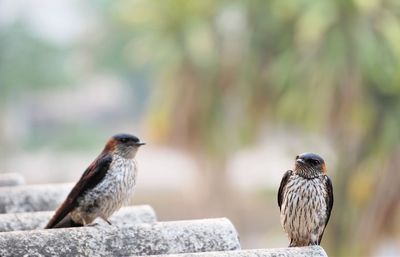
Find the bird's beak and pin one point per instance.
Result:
(140, 143)
(300, 161)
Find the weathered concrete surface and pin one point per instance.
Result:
(310, 251)
(11, 179)
(140, 239)
(38, 220)
(31, 198)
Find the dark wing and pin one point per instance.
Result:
(329, 203)
(89, 179)
(282, 186)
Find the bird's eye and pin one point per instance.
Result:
(124, 140)
(315, 162)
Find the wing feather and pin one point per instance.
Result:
(284, 181)
(93, 175)
(329, 203)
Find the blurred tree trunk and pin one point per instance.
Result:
(214, 186)
(382, 211)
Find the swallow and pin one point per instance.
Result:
(305, 200)
(106, 185)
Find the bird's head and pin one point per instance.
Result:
(309, 165)
(124, 145)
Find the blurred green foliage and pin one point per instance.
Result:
(224, 69)
(29, 62)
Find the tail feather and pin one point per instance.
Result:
(66, 222)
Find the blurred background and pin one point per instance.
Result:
(226, 94)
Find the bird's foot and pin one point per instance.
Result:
(106, 220)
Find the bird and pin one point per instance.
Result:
(104, 187)
(305, 200)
